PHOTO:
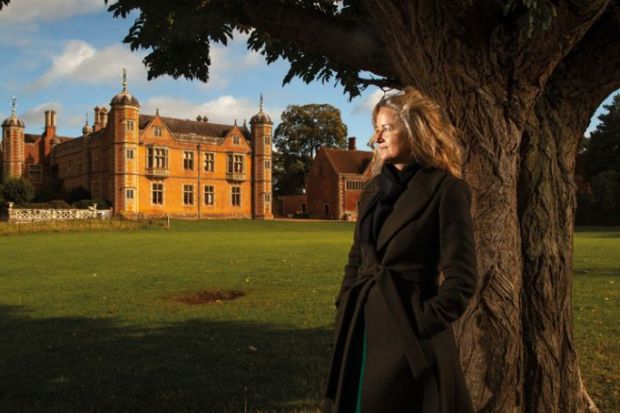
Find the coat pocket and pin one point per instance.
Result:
(426, 326)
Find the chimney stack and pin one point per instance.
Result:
(103, 118)
(48, 134)
(352, 143)
(96, 120)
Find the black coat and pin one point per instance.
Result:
(391, 303)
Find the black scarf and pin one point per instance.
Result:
(392, 183)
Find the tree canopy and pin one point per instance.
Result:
(603, 148)
(179, 34)
(18, 190)
(303, 130)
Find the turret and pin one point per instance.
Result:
(86, 129)
(261, 127)
(124, 114)
(12, 145)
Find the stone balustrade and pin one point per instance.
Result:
(38, 215)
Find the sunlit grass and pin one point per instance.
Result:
(89, 324)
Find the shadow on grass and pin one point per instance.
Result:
(598, 232)
(92, 365)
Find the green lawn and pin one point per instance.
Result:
(89, 320)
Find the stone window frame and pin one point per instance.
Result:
(188, 194)
(157, 193)
(209, 163)
(209, 195)
(35, 172)
(235, 163)
(157, 156)
(188, 160)
(235, 195)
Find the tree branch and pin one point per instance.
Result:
(591, 71)
(343, 41)
(532, 53)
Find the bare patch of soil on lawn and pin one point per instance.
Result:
(206, 296)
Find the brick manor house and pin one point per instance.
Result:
(150, 165)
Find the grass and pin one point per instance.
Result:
(596, 307)
(90, 322)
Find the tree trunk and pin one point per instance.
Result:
(546, 210)
(516, 337)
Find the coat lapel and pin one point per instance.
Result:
(419, 192)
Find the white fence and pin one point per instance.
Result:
(38, 215)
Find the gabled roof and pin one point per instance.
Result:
(348, 161)
(186, 126)
(32, 138)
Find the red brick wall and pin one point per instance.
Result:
(289, 205)
(322, 188)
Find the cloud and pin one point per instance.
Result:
(36, 116)
(224, 109)
(220, 68)
(366, 105)
(33, 11)
(81, 62)
(229, 62)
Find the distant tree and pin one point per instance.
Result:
(603, 147)
(303, 130)
(18, 190)
(77, 194)
(606, 189)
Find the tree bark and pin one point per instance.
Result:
(516, 337)
(547, 208)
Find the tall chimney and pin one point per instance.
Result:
(96, 120)
(103, 118)
(352, 143)
(48, 134)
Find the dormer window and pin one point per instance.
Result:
(236, 140)
(157, 131)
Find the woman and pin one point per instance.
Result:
(395, 350)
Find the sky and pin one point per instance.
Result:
(68, 55)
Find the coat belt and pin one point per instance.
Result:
(383, 277)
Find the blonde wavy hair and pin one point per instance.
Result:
(432, 139)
